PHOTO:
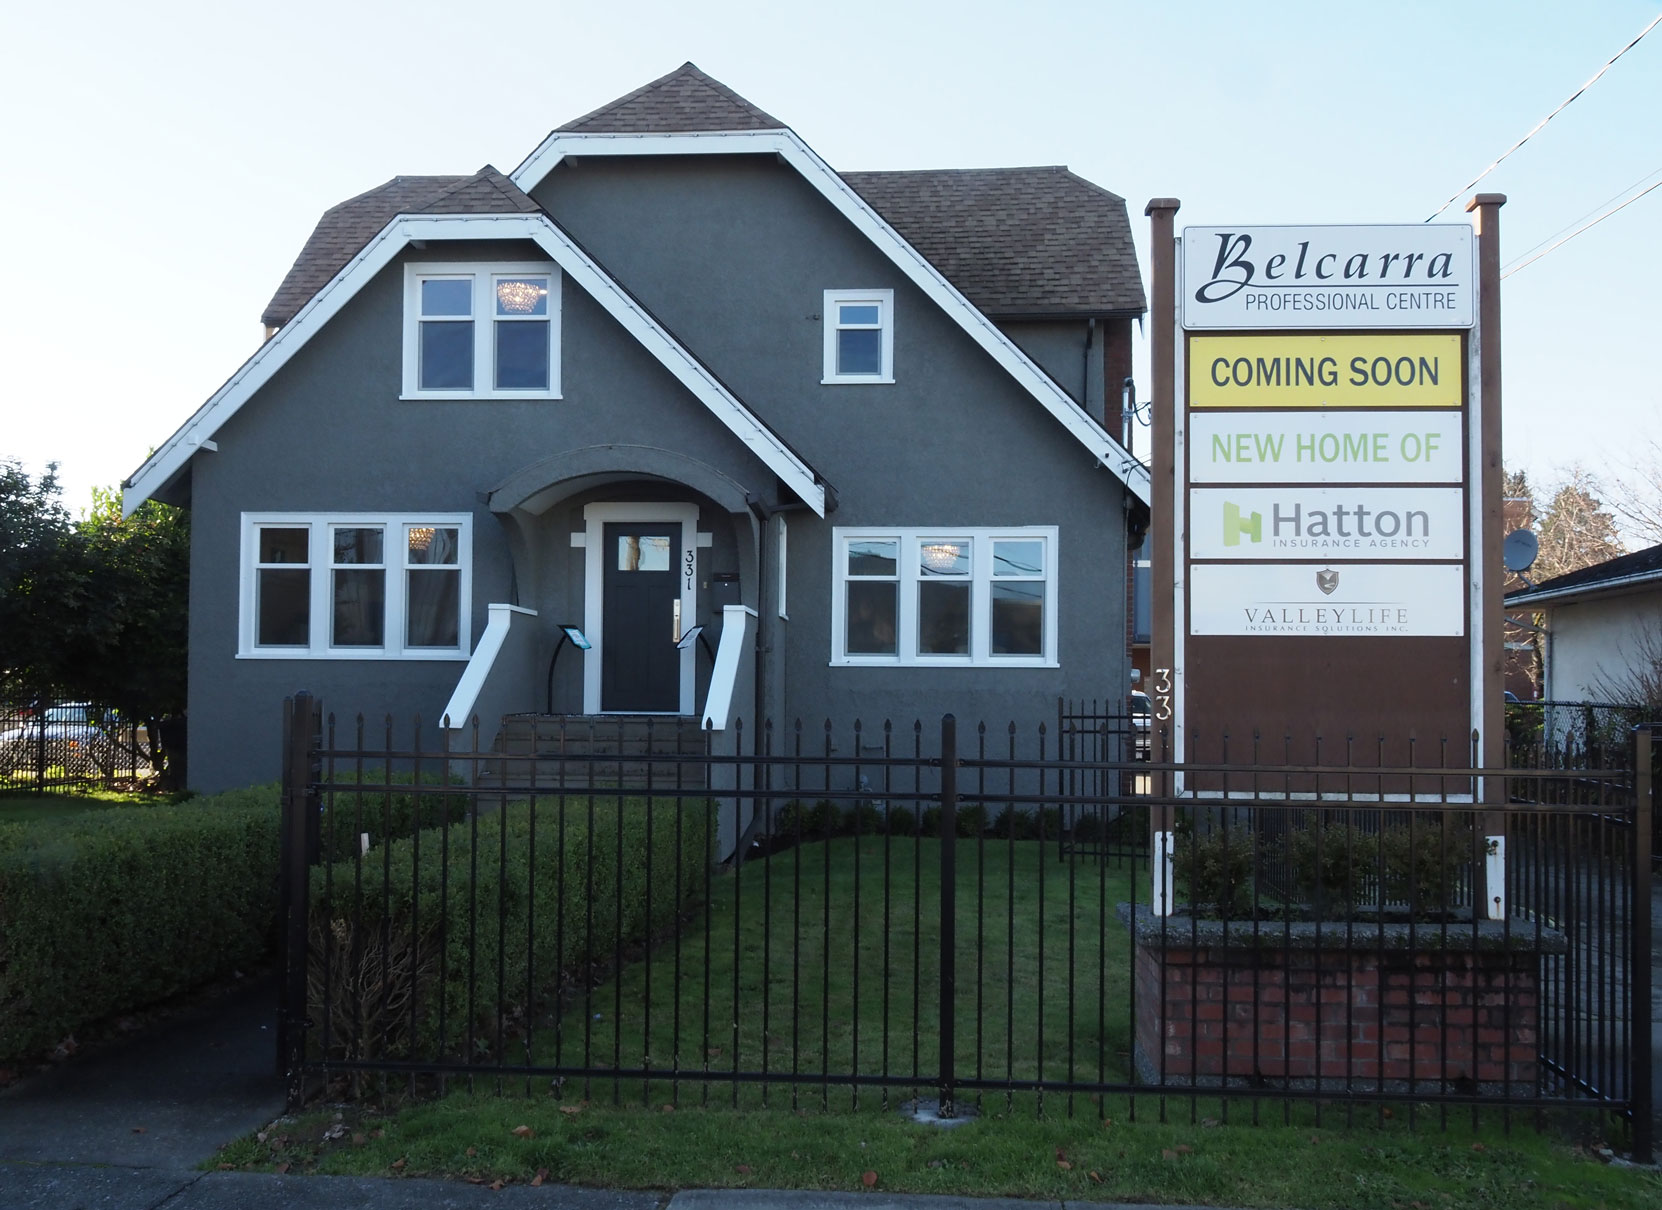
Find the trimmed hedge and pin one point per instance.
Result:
(106, 912)
(385, 813)
(490, 916)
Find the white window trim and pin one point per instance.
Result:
(484, 317)
(981, 582)
(320, 564)
(885, 303)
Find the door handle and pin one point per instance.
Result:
(675, 629)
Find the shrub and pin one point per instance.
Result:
(902, 821)
(826, 819)
(1339, 864)
(972, 819)
(1088, 827)
(1013, 824)
(492, 915)
(792, 821)
(867, 819)
(386, 813)
(109, 911)
(1214, 870)
(930, 824)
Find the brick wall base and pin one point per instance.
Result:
(1455, 1020)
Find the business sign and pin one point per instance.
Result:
(1325, 447)
(1358, 601)
(1367, 523)
(1332, 371)
(1410, 276)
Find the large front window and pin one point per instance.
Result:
(951, 596)
(351, 586)
(481, 331)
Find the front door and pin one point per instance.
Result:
(640, 668)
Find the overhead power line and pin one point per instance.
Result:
(1591, 210)
(1533, 130)
(1580, 229)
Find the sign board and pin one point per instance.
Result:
(1325, 371)
(1281, 524)
(1325, 447)
(1369, 600)
(1417, 275)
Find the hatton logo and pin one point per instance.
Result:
(1327, 580)
(1235, 526)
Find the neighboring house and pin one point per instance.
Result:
(1601, 631)
(674, 370)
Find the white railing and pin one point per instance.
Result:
(738, 629)
(476, 677)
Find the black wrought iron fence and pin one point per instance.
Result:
(52, 745)
(873, 916)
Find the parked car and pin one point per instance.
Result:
(1142, 723)
(70, 737)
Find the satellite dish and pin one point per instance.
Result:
(1519, 550)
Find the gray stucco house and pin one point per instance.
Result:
(674, 370)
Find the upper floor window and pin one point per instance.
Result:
(859, 336)
(355, 585)
(481, 331)
(944, 596)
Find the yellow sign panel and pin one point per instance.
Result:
(1334, 371)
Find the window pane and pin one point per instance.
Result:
(646, 552)
(859, 351)
(944, 558)
(284, 608)
(283, 545)
(857, 313)
(869, 558)
(430, 545)
(447, 296)
(943, 618)
(522, 356)
(1019, 618)
(1018, 558)
(871, 617)
(522, 296)
(359, 545)
(447, 356)
(435, 608)
(360, 608)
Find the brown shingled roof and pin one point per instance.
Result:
(1016, 241)
(344, 229)
(684, 100)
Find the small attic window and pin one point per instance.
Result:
(859, 336)
(481, 331)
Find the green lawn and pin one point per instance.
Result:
(19, 808)
(1100, 1154)
(782, 993)
(826, 958)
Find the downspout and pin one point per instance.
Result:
(1085, 376)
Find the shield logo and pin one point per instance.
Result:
(1327, 580)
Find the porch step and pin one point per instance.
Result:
(583, 752)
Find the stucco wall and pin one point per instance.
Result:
(1594, 643)
(329, 434)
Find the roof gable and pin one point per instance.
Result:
(197, 432)
(344, 229)
(685, 99)
(1016, 241)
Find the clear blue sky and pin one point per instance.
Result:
(165, 162)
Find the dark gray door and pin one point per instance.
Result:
(640, 669)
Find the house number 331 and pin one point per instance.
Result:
(690, 559)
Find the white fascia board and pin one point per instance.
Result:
(789, 147)
(375, 256)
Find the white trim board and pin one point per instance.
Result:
(595, 517)
(790, 148)
(377, 254)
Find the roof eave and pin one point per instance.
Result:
(1565, 595)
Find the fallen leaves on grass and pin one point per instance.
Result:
(398, 1164)
(868, 1178)
(743, 1169)
(523, 1132)
(542, 1175)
